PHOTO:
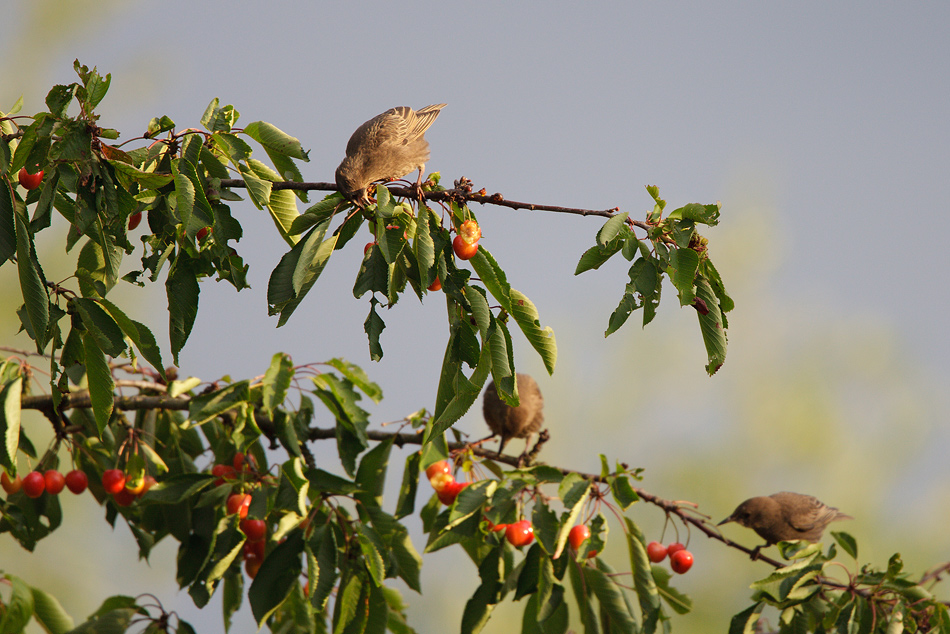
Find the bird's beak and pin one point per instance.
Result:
(726, 521)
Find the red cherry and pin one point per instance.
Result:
(34, 484)
(202, 233)
(124, 497)
(76, 481)
(255, 530)
(674, 548)
(442, 466)
(519, 534)
(238, 503)
(30, 181)
(10, 486)
(450, 491)
(464, 250)
(436, 285)
(656, 552)
(578, 535)
(113, 481)
(681, 561)
(252, 565)
(254, 549)
(54, 481)
(134, 220)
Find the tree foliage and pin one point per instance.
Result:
(330, 544)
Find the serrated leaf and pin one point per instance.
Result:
(643, 580)
(712, 326)
(623, 491)
(101, 325)
(273, 138)
(177, 488)
(684, 263)
(10, 424)
(374, 561)
(745, 622)
(358, 377)
(32, 283)
(276, 578)
(611, 599)
(101, 385)
(541, 339)
(19, 609)
(141, 336)
(848, 543)
(612, 228)
(276, 382)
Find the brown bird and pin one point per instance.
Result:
(785, 516)
(386, 147)
(514, 422)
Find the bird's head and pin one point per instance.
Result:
(748, 513)
(350, 184)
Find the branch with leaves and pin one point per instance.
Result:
(226, 469)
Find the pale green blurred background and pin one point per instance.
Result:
(822, 129)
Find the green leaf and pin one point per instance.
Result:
(272, 138)
(181, 289)
(684, 263)
(206, 407)
(583, 599)
(356, 375)
(101, 325)
(49, 613)
(406, 504)
(178, 488)
(848, 543)
(323, 569)
(32, 284)
(680, 603)
(745, 622)
(712, 326)
(19, 609)
(374, 561)
(8, 232)
(145, 180)
(611, 229)
(276, 578)
(623, 492)
(10, 422)
(492, 276)
(643, 576)
(541, 339)
(276, 382)
(611, 599)
(141, 336)
(101, 385)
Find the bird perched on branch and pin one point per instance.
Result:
(514, 422)
(785, 516)
(386, 147)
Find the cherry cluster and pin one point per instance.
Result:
(441, 478)
(35, 483)
(242, 471)
(124, 489)
(681, 560)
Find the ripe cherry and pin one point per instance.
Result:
(238, 503)
(147, 484)
(441, 480)
(124, 497)
(54, 481)
(673, 548)
(681, 561)
(519, 534)
(252, 565)
(134, 220)
(76, 481)
(10, 486)
(255, 530)
(34, 484)
(578, 535)
(442, 466)
(202, 233)
(113, 481)
(656, 552)
(450, 491)
(436, 285)
(464, 250)
(254, 549)
(30, 181)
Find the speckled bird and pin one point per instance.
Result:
(388, 146)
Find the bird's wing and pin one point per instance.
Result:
(420, 121)
(811, 513)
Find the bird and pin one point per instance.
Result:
(514, 422)
(785, 516)
(388, 146)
